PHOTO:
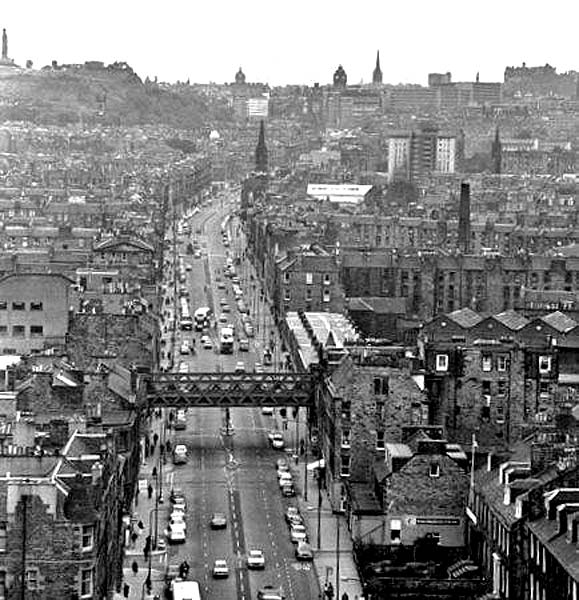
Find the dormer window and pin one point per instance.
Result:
(434, 469)
(544, 365)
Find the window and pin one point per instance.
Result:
(327, 279)
(326, 296)
(345, 438)
(486, 363)
(346, 408)
(379, 410)
(345, 466)
(309, 278)
(36, 331)
(3, 536)
(380, 386)
(379, 440)
(2, 585)
(87, 538)
(308, 294)
(36, 306)
(544, 365)
(86, 576)
(31, 579)
(442, 362)
(395, 530)
(287, 295)
(3, 330)
(502, 362)
(18, 331)
(18, 305)
(434, 469)
(3, 305)
(501, 387)
(286, 277)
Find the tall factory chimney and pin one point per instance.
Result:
(464, 219)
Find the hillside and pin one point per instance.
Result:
(109, 95)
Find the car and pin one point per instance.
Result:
(223, 318)
(285, 478)
(240, 366)
(235, 279)
(183, 367)
(298, 534)
(180, 505)
(176, 495)
(257, 368)
(176, 516)
(220, 569)
(244, 345)
(255, 559)
(277, 441)
(223, 302)
(206, 342)
(267, 410)
(218, 521)
(176, 534)
(177, 521)
(226, 308)
(220, 285)
(185, 348)
(180, 423)
(180, 454)
(188, 267)
(268, 592)
(197, 254)
(292, 515)
(288, 490)
(304, 551)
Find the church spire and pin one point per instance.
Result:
(496, 153)
(377, 74)
(261, 151)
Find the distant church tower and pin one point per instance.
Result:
(240, 77)
(261, 151)
(340, 77)
(496, 153)
(377, 74)
(5, 60)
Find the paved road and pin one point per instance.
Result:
(233, 474)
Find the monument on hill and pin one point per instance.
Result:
(5, 61)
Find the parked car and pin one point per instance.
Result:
(218, 521)
(255, 559)
(293, 516)
(220, 569)
(267, 410)
(277, 441)
(304, 551)
(240, 366)
(285, 478)
(282, 464)
(268, 592)
(244, 345)
(176, 495)
(177, 533)
(180, 454)
(288, 490)
(298, 534)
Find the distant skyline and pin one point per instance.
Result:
(301, 43)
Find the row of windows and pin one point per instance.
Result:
(34, 306)
(19, 331)
(326, 296)
(347, 439)
(86, 537)
(326, 279)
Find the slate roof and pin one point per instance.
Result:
(559, 321)
(465, 317)
(512, 320)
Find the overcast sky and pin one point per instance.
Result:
(298, 41)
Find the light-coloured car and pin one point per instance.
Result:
(220, 569)
(177, 520)
(180, 454)
(185, 348)
(223, 318)
(267, 410)
(244, 345)
(277, 441)
(255, 559)
(240, 366)
(268, 592)
(304, 551)
(218, 521)
(177, 533)
(298, 534)
(285, 478)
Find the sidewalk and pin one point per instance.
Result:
(144, 513)
(325, 554)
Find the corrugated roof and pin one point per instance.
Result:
(465, 317)
(559, 321)
(511, 320)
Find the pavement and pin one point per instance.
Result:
(144, 512)
(332, 539)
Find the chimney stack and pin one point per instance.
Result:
(464, 219)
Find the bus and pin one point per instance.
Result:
(186, 323)
(226, 340)
(201, 317)
(185, 590)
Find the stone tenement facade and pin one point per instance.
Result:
(500, 376)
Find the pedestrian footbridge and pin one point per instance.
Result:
(230, 389)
